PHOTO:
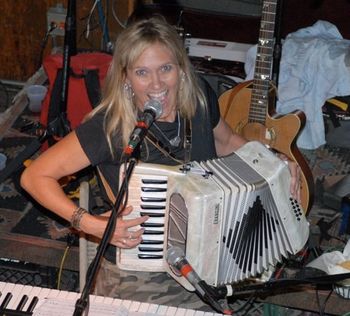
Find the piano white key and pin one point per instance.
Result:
(162, 310)
(210, 314)
(117, 302)
(155, 220)
(180, 312)
(2, 285)
(153, 195)
(190, 312)
(134, 306)
(44, 293)
(153, 237)
(53, 293)
(34, 292)
(158, 213)
(96, 299)
(62, 294)
(199, 313)
(16, 292)
(108, 300)
(25, 290)
(171, 311)
(126, 304)
(73, 296)
(153, 246)
(6, 289)
(143, 308)
(153, 308)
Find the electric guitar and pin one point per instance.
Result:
(249, 107)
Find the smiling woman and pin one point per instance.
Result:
(155, 75)
(149, 62)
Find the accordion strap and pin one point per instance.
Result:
(187, 143)
(163, 149)
(106, 186)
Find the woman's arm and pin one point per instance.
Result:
(41, 178)
(226, 141)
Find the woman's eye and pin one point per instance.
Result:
(166, 68)
(141, 72)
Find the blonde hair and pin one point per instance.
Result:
(120, 112)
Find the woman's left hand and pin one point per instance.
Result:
(295, 176)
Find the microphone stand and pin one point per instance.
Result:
(83, 301)
(60, 125)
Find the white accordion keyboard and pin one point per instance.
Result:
(233, 217)
(15, 299)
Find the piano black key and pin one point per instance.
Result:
(12, 312)
(149, 256)
(152, 225)
(151, 242)
(152, 199)
(150, 214)
(146, 189)
(153, 232)
(152, 207)
(32, 304)
(6, 300)
(150, 249)
(154, 181)
(22, 302)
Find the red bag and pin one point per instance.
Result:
(87, 72)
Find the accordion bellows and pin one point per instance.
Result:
(232, 216)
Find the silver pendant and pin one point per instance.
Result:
(175, 141)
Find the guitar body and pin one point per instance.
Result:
(277, 131)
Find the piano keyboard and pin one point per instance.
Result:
(30, 298)
(147, 195)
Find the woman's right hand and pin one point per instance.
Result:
(127, 233)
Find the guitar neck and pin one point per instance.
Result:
(263, 63)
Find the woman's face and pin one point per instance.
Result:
(156, 75)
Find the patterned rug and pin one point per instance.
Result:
(328, 165)
(19, 213)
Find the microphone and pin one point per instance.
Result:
(176, 258)
(151, 111)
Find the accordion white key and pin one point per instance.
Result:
(233, 216)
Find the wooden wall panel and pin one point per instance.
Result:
(23, 26)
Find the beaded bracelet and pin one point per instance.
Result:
(76, 217)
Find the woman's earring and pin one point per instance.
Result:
(129, 91)
(182, 78)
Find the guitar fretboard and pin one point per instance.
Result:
(263, 63)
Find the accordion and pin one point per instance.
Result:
(233, 216)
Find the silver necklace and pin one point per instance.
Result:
(175, 141)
